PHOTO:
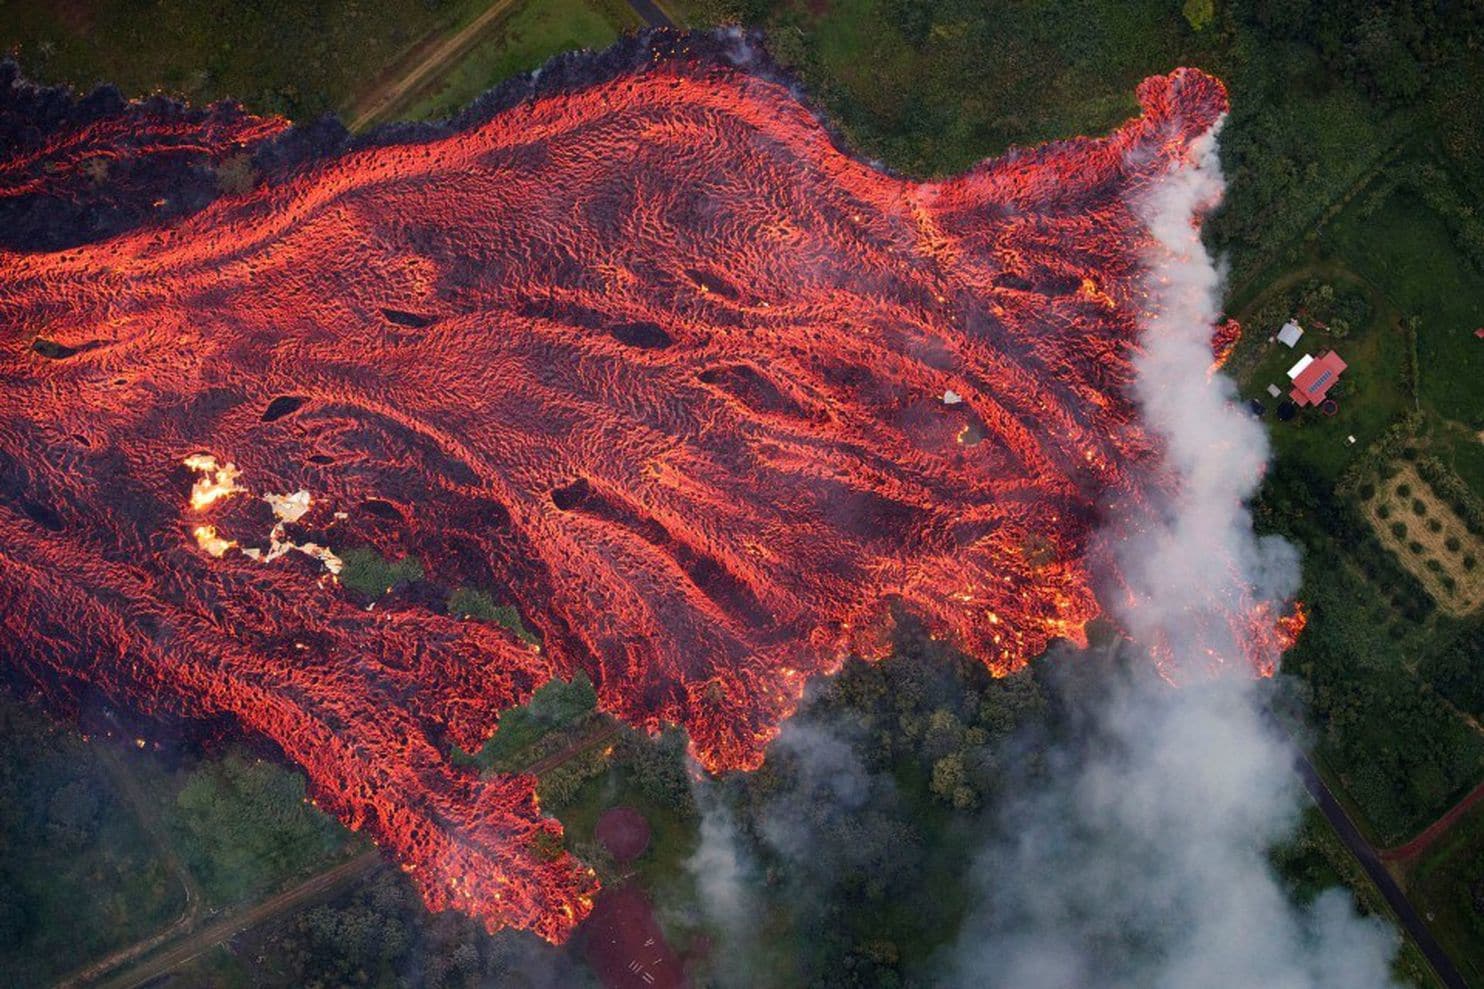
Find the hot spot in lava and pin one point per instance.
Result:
(643, 350)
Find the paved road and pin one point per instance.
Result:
(1370, 861)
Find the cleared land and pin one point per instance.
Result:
(1429, 539)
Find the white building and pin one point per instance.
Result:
(1289, 335)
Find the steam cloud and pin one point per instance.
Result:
(1145, 860)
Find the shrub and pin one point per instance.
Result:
(1468, 562)
(1419, 508)
(1434, 566)
(1384, 511)
(1449, 582)
(1399, 529)
(1415, 546)
(1433, 525)
(1404, 490)
(1367, 491)
(1452, 543)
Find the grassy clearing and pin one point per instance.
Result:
(1447, 886)
(1405, 249)
(533, 32)
(467, 602)
(1369, 395)
(932, 92)
(295, 59)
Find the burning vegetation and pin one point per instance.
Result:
(646, 352)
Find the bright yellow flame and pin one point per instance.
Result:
(219, 480)
(208, 540)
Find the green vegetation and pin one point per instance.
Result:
(289, 58)
(467, 602)
(368, 572)
(245, 827)
(1315, 860)
(1448, 884)
(532, 33)
(555, 706)
(79, 875)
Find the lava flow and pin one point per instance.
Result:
(644, 352)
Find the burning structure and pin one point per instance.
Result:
(637, 346)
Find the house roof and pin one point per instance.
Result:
(1290, 333)
(1316, 379)
(1298, 368)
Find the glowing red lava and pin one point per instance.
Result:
(646, 353)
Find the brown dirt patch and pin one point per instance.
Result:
(1467, 593)
(625, 946)
(624, 833)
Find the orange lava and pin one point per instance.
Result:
(649, 355)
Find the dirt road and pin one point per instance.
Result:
(385, 98)
(238, 921)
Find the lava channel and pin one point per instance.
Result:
(641, 349)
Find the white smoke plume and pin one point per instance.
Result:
(1141, 858)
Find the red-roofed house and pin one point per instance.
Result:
(1316, 378)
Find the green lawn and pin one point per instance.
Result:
(533, 32)
(1370, 395)
(368, 572)
(1406, 250)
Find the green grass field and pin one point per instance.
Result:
(1405, 249)
(533, 32)
(974, 81)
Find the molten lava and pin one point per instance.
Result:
(645, 353)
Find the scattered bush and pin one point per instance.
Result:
(1419, 508)
(1384, 511)
(1452, 543)
(1404, 490)
(1469, 562)
(1449, 583)
(1399, 530)
(1415, 547)
(1433, 525)
(1434, 566)
(1367, 491)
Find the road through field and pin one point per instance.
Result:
(386, 97)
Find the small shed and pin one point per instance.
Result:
(1274, 391)
(1290, 334)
